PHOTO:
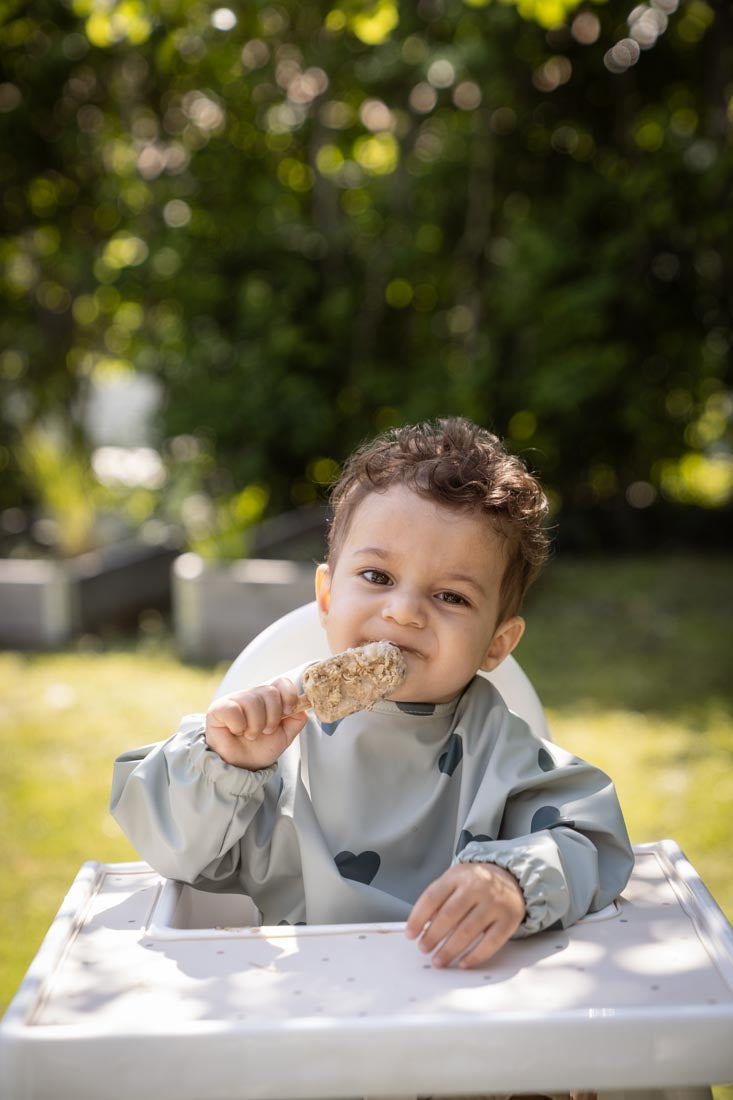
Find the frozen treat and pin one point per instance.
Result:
(352, 680)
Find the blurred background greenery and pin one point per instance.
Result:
(236, 241)
(299, 222)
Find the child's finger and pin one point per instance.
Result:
(446, 920)
(227, 714)
(427, 906)
(288, 694)
(255, 713)
(463, 935)
(273, 707)
(493, 938)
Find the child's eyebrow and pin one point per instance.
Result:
(464, 578)
(373, 551)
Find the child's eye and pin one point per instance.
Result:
(375, 576)
(453, 598)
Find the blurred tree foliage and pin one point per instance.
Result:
(314, 220)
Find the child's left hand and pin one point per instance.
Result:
(467, 901)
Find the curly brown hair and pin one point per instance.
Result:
(455, 463)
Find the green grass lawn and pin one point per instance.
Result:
(632, 659)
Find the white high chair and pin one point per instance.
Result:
(149, 989)
(298, 637)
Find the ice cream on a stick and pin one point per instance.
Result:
(352, 680)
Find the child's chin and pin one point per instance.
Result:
(404, 695)
(412, 694)
(421, 697)
(415, 692)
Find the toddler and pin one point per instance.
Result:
(438, 806)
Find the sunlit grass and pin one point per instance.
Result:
(674, 780)
(63, 719)
(632, 660)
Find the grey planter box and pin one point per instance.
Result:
(218, 609)
(43, 604)
(36, 604)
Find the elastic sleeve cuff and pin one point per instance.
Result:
(190, 740)
(543, 886)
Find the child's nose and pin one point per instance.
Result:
(403, 607)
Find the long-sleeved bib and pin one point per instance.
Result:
(358, 817)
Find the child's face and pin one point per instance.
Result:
(426, 577)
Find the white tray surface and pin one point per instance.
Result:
(656, 976)
(650, 954)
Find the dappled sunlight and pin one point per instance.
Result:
(698, 479)
(121, 20)
(654, 960)
(173, 156)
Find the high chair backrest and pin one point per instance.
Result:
(298, 637)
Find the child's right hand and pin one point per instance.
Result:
(251, 729)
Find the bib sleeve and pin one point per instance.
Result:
(562, 833)
(185, 810)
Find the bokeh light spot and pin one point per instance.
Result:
(441, 73)
(378, 155)
(329, 159)
(223, 19)
(10, 97)
(398, 293)
(375, 24)
(586, 28)
(423, 98)
(467, 96)
(523, 425)
(176, 213)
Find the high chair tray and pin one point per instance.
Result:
(144, 990)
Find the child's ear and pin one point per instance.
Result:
(506, 638)
(323, 592)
